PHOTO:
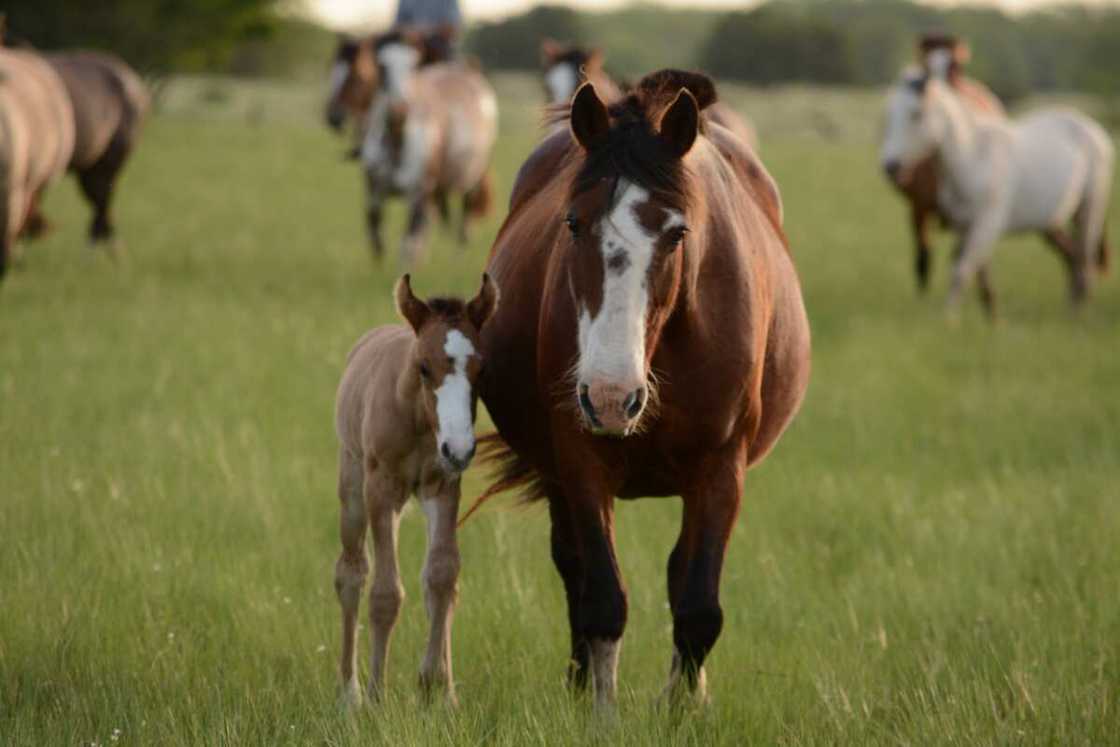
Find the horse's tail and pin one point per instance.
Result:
(511, 472)
(480, 198)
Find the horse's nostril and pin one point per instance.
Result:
(634, 402)
(587, 407)
(892, 168)
(443, 449)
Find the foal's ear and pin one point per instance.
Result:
(412, 309)
(681, 123)
(589, 118)
(481, 307)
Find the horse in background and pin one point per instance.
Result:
(36, 142)
(1039, 173)
(354, 77)
(405, 422)
(567, 67)
(651, 341)
(110, 102)
(919, 184)
(430, 133)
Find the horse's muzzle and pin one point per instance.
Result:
(335, 119)
(609, 409)
(893, 170)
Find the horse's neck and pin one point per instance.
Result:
(957, 146)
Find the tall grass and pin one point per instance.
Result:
(929, 555)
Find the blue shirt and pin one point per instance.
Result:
(428, 13)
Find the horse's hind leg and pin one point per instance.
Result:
(919, 221)
(476, 204)
(412, 248)
(374, 201)
(351, 569)
(440, 577)
(986, 292)
(384, 500)
(695, 565)
(98, 182)
(1060, 241)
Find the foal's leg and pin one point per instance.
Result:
(384, 500)
(710, 508)
(919, 221)
(440, 577)
(351, 569)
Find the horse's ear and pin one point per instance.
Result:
(550, 50)
(481, 307)
(412, 309)
(589, 118)
(681, 123)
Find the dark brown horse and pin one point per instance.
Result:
(567, 67)
(651, 341)
(920, 184)
(109, 102)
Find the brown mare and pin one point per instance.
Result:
(36, 141)
(651, 341)
(405, 418)
(920, 184)
(566, 67)
(354, 77)
(429, 134)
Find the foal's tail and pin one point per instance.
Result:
(510, 470)
(480, 198)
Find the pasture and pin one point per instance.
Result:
(930, 556)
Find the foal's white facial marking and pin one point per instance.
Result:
(612, 344)
(561, 80)
(453, 399)
(399, 60)
(904, 140)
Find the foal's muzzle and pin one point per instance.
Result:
(456, 461)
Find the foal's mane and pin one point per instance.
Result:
(633, 150)
(447, 308)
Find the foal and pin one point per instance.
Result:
(404, 417)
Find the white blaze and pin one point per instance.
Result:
(612, 344)
(399, 60)
(339, 73)
(561, 80)
(453, 398)
(903, 134)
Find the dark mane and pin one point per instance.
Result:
(633, 150)
(448, 309)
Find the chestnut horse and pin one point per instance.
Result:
(920, 184)
(566, 67)
(651, 341)
(404, 417)
(36, 141)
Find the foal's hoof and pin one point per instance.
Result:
(350, 696)
(431, 689)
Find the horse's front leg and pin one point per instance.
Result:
(440, 577)
(919, 222)
(412, 248)
(710, 507)
(384, 500)
(375, 198)
(974, 251)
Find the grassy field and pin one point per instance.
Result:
(930, 556)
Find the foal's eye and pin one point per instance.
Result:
(425, 372)
(572, 224)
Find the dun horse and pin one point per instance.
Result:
(405, 417)
(430, 134)
(567, 67)
(36, 141)
(651, 341)
(920, 184)
(1043, 172)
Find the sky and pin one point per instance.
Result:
(343, 14)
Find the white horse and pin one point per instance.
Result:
(430, 134)
(1041, 172)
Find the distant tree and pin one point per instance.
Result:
(154, 35)
(514, 43)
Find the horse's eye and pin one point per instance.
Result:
(572, 224)
(425, 372)
(676, 235)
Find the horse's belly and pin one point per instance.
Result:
(1052, 170)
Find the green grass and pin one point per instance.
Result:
(928, 557)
